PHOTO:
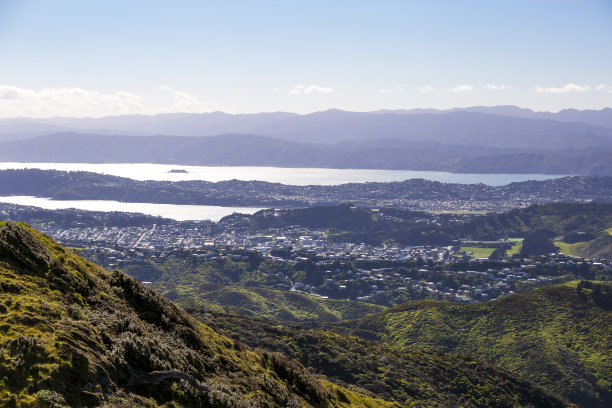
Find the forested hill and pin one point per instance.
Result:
(558, 336)
(574, 222)
(559, 218)
(587, 225)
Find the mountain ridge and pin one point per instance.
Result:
(255, 150)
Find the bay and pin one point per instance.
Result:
(173, 211)
(292, 176)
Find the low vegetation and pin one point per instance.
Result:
(278, 305)
(558, 336)
(412, 376)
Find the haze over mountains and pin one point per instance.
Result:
(503, 139)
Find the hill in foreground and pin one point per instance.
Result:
(558, 336)
(73, 334)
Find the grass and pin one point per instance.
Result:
(516, 249)
(577, 249)
(275, 304)
(458, 212)
(478, 252)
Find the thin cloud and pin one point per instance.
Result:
(492, 87)
(385, 91)
(48, 102)
(462, 88)
(183, 102)
(15, 101)
(564, 89)
(426, 89)
(312, 89)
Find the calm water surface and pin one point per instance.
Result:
(293, 176)
(173, 211)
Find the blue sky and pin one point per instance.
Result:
(96, 58)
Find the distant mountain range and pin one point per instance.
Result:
(503, 139)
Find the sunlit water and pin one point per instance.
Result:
(173, 211)
(292, 176)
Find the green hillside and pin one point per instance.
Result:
(75, 335)
(276, 305)
(244, 287)
(559, 337)
(412, 376)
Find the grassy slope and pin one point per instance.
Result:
(413, 376)
(556, 336)
(576, 249)
(478, 252)
(225, 286)
(277, 305)
(73, 334)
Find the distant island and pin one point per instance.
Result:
(178, 171)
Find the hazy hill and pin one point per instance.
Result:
(595, 158)
(334, 125)
(76, 335)
(180, 124)
(601, 117)
(558, 336)
(217, 150)
(461, 128)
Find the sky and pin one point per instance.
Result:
(107, 57)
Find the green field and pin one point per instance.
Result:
(516, 248)
(478, 252)
(576, 249)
